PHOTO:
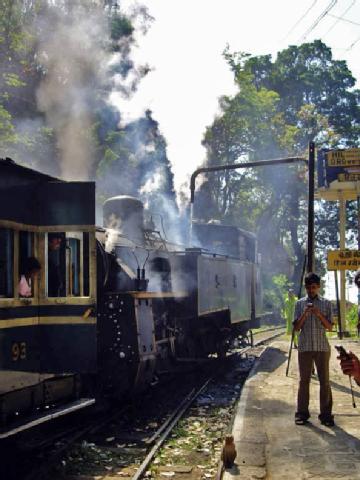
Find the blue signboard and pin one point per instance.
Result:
(326, 173)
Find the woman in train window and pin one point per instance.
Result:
(31, 269)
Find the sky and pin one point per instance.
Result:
(184, 48)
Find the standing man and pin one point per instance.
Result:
(289, 309)
(313, 317)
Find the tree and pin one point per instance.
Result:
(281, 105)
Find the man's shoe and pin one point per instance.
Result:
(327, 421)
(301, 419)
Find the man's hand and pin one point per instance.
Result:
(351, 366)
(316, 311)
(300, 321)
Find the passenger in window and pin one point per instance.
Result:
(30, 269)
(54, 273)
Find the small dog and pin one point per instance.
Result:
(228, 453)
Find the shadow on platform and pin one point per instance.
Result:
(271, 359)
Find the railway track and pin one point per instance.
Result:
(110, 446)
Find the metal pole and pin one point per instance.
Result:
(358, 215)
(302, 276)
(311, 190)
(235, 166)
(342, 208)
(338, 305)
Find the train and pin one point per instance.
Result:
(123, 305)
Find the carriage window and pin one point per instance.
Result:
(68, 264)
(73, 267)
(26, 261)
(56, 264)
(86, 264)
(6, 263)
(26, 249)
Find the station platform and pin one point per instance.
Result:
(270, 446)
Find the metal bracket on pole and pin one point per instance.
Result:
(235, 166)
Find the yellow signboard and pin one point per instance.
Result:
(343, 260)
(344, 158)
(349, 177)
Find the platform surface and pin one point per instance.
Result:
(270, 446)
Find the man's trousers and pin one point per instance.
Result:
(321, 360)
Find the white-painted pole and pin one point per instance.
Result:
(342, 211)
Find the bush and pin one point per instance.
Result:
(275, 294)
(352, 318)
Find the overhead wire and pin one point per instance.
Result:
(318, 20)
(300, 19)
(338, 19)
(353, 44)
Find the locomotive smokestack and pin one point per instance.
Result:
(126, 215)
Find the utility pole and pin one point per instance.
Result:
(342, 218)
(311, 192)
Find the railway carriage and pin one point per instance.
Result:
(47, 342)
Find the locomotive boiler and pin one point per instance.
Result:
(126, 305)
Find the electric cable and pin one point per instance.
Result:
(340, 18)
(318, 20)
(352, 45)
(300, 19)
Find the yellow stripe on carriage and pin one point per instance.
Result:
(35, 321)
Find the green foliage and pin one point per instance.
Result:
(274, 292)
(120, 26)
(352, 318)
(303, 95)
(13, 80)
(7, 131)
(122, 159)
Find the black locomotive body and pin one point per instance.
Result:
(128, 305)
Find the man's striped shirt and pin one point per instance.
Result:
(312, 337)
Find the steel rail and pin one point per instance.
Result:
(167, 422)
(280, 332)
(186, 404)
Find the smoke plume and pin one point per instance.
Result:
(72, 52)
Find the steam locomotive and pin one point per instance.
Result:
(126, 302)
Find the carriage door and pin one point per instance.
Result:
(27, 348)
(68, 322)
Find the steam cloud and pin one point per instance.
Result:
(75, 61)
